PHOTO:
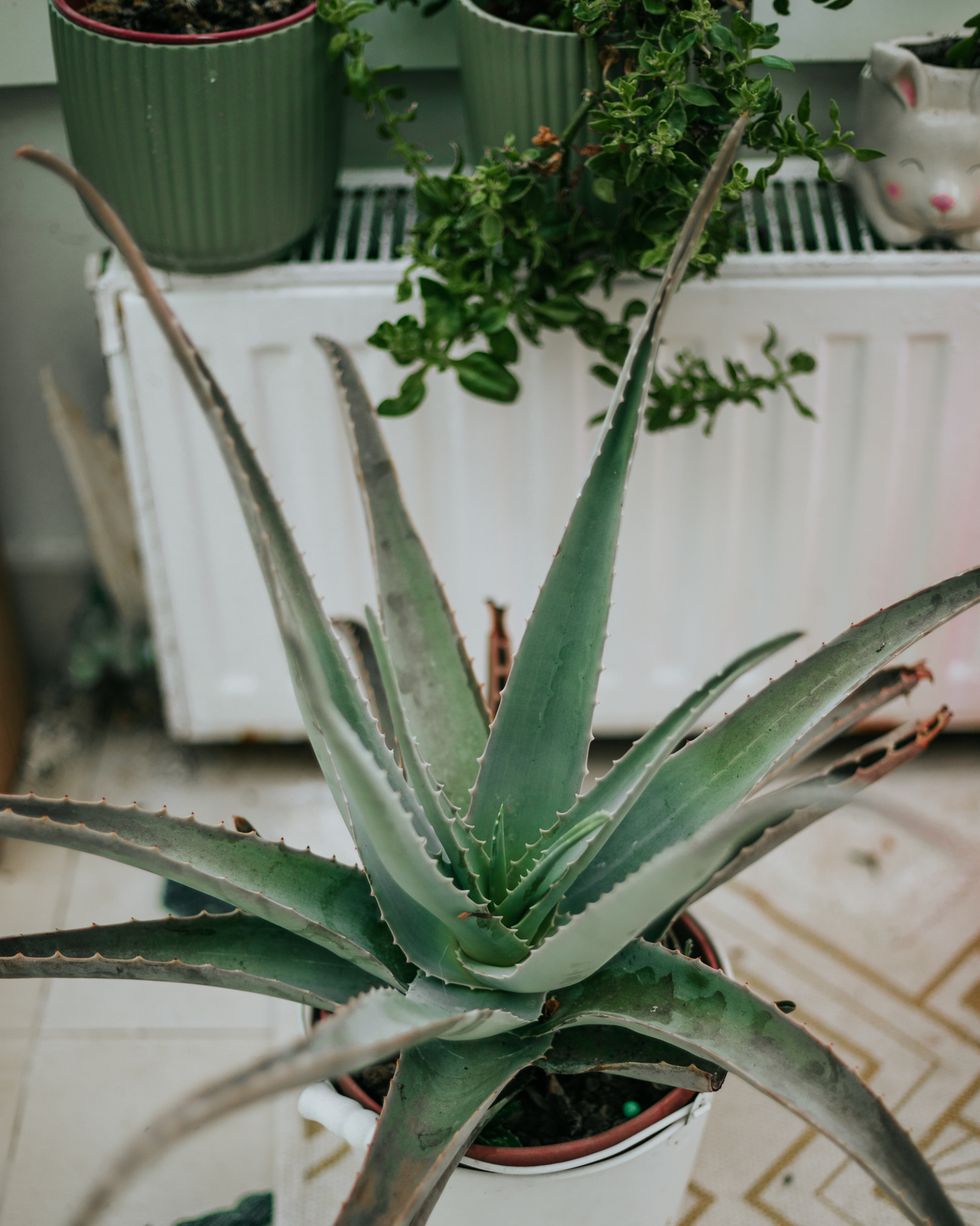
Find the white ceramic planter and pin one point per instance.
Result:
(926, 121)
(640, 1182)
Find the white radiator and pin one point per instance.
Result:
(772, 523)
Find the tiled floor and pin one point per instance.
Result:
(867, 921)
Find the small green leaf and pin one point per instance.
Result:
(697, 95)
(605, 190)
(777, 61)
(483, 375)
(561, 310)
(503, 345)
(491, 229)
(409, 398)
(722, 38)
(803, 110)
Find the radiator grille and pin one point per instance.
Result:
(797, 216)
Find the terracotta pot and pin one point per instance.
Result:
(637, 1172)
(219, 151)
(582, 1147)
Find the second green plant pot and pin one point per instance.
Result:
(516, 78)
(218, 152)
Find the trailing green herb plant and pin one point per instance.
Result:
(513, 247)
(503, 917)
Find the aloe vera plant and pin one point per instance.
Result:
(502, 914)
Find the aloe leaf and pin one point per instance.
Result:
(880, 688)
(612, 1049)
(508, 1010)
(535, 756)
(371, 1028)
(369, 673)
(722, 766)
(328, 903)
(440, 1095)
(450, 833)
(620, 783)
(769, 820)
(321, 675)
(223, 951)
(619, 787)
(664, 995)
(380, 820)
(551, 869)
(680, 831)
(443, 702)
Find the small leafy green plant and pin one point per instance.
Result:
(526, 240)
(502, 914)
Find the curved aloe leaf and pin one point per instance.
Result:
(369, 673)
(618, 788)
(788, 810)
(507, 1010)
(722, 766)
(452, 836)
(439, 1096)
(612, 1049)
(680, 832)
(535, 756)
(321, 675)
(223, 951)
(443, 701)
(620, 784)
(371, 1028)
(880, 688)
(325, 902)
(662, 994)
(379, 819)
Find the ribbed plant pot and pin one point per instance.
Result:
(218, 151)
(515, 79)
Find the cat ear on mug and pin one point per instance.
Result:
(901, 72)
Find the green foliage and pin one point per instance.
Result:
(494, 915)
(527, 240)
(965, 52)
(691, 391)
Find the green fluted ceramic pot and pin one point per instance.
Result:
(515, 78)
(219, 152)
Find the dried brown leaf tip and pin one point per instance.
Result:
(589, 151)
(551, 166)
(545, 137)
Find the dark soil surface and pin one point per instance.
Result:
(937, 53)
(188, 16)
(542, 1109)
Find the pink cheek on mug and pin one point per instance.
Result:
(893, 191)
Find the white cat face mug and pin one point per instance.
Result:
(926, 121)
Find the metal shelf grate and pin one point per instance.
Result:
(797, 216)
